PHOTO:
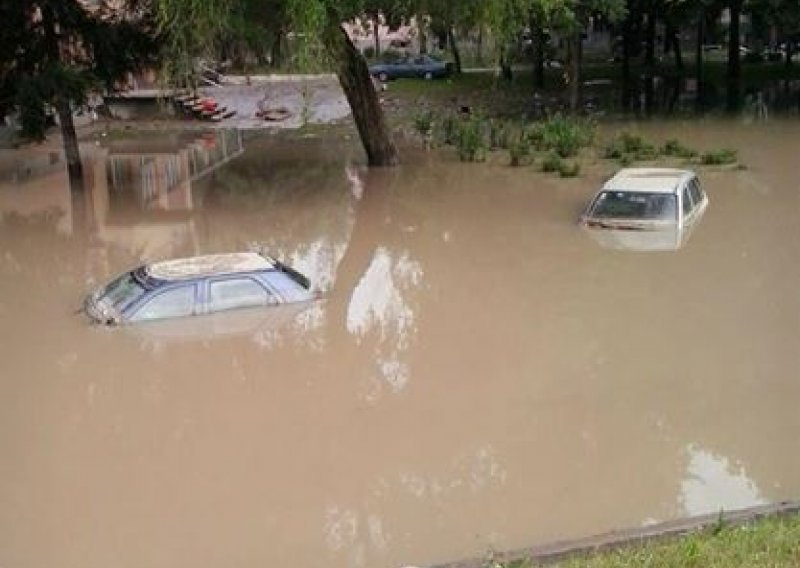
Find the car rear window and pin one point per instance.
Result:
(635, 205)
(122, 291)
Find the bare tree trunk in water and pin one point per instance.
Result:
(354, 77)
(70, 140)
(575, 56)
(451, 39)
(63, 106)
(734, 58)
(698, 64)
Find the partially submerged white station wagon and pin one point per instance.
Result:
(646, 209)
(195, 286)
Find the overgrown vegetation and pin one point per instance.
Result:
(549, 142)
(768, 543)
(719, 157)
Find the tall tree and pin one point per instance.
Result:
(55, 51)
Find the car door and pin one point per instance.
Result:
(687, 207)
(236, 292)
(698, 196)
(174, 302)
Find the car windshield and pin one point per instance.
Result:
(122, 291)
(635, 205)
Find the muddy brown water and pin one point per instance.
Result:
(482, 375)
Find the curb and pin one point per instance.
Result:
(560, 550)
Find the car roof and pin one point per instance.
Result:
(648, 180)
(209, 265)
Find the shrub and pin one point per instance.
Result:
(519, 150)
(423, 122)
(719, 157)
(450, 128)
(564, 135)
(552, 163)
(569, 170)
(499, 134)
(674, 148)
(470, 140)
(630, 147)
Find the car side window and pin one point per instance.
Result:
(176, 302)
(233, 293)
(687, 201)
(695, 191)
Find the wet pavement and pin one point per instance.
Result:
(482, 374)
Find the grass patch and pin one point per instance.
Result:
(519, 151)
(552, 163)
(629, 148)
(767, 543)
(470, 140)
(673, 147)
(719, 157)
(564, 135)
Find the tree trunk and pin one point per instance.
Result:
(276, 52)
(676, 47)
(672, 42)
(376, 30)
(505, 68)
(789, 54)
(699, 76)
(538, 55)
(650, 49)
(451, 39)
(63, 106)
(70, 141)
(423, 37)
(354, 77)
(575, 56)
(734, 58)
(626, 63)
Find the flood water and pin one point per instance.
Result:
(482, 375)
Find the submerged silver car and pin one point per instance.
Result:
(646, 209)
(195, 286)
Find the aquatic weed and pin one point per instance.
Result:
(673, 147)
(519, 150)
(564, 135)
(568, 170)
(719, 157)
(470, 139)
(552, 163)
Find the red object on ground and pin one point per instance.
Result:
(209, 104)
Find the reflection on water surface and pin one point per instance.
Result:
(481, 375)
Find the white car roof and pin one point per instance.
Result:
(648, 180)
(209, 265)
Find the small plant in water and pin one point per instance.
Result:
(423, 123)
(552, 163)
(470, 139)
(630, 147)
(499, 134)
(719, 157)
(673, 147)
(519, 150)
(568, 170)
(564, 135)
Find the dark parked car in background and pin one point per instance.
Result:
(420, 66)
